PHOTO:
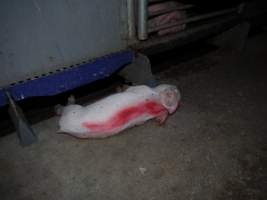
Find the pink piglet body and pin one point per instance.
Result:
(117, 112)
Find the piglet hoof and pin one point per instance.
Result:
(161, 119)
(71, 100)
(160, 123)
(58, 109)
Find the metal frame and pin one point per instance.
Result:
(68, 78)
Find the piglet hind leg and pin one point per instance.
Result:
(71, 100)
(162, 118)
(58, 109)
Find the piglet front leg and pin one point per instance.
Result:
(162, 118)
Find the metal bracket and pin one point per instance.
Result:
(139, 71)
(25, 133)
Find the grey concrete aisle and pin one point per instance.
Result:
(213, 147)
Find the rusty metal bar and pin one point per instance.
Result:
(184, 7)
(192, 19)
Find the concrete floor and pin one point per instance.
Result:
(214, 147)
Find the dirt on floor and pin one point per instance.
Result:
(213, 147)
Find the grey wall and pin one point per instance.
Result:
(37, 36)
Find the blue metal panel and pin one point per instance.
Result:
(38, 36)
(70, 78)
(2, 98)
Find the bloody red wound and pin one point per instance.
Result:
(125, 115)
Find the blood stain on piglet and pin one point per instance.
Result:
(125, 115)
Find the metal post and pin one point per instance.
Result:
(142, 19)
(131, 19)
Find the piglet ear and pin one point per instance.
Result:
(168, 98)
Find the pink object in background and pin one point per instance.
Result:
(173, 16)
